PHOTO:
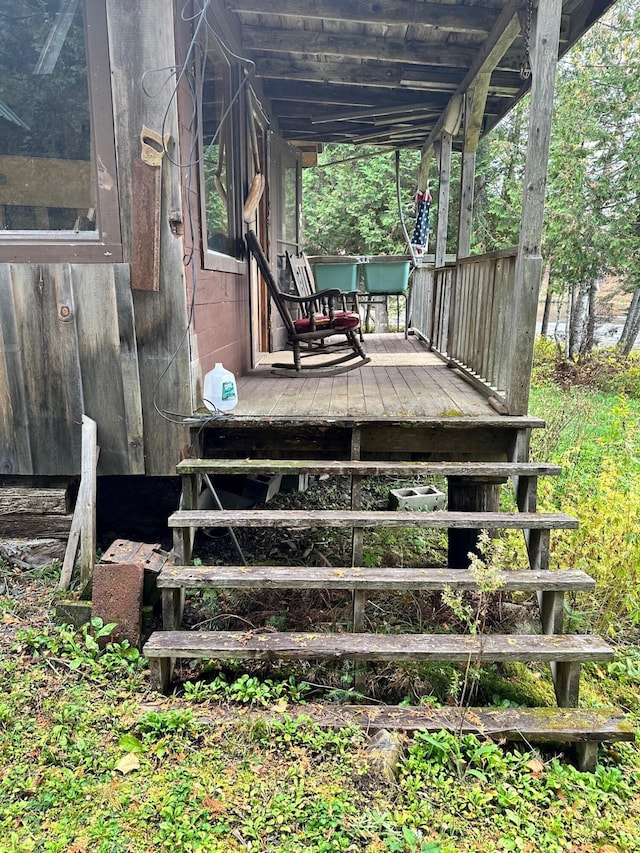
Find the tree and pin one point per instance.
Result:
(498, 186)
(350, 204)
(593, 208)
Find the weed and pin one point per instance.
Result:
(158, 724)
(81, 650)
(521, 798)
(246, 690)
(601, 488)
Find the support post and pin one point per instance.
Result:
(359, 596)
(443, 148)
(160, 670)
(587, 756)
(357, 534)
(567, 683)
(468, 494)
(475, 100)
(528, 270)
(183, 537)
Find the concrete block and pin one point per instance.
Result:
(117, 597)
(261, 487)
(76, 613)
(417, 498)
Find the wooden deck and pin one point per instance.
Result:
(405, 404)
(403, 380)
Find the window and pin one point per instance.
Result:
(219, 154)
(51, 74)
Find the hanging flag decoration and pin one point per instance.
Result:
(421, 231)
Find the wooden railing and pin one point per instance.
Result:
(464, 311)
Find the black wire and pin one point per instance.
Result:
(196, 53)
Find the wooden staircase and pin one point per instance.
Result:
(564, 652)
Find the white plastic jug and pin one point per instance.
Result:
(220, 390)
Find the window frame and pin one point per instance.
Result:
(105, 244)
(211, 259)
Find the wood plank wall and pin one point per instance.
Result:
(142, 52)
(68, 350)
(76, 340)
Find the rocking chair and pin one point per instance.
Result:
(318, 322)
(305, 284)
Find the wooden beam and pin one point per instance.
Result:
(467, 19)
(376, 114)
(72, 548)
(33, 500)
(292, 42)
(383, 75)
(390, 136)
(366, 468)
(475, 100)
(83, 524)
(317, 95)
(443, 152)
(528, 271)
(87, 499)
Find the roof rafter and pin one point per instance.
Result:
(500, 39)
(464, 19)
(435, 52)
(383, 75)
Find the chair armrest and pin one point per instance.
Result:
(321, 302)
(329, 292)
(315, 297)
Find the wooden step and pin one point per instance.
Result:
(351, 518)
(583, 728)
(456, 648)
(366, 469)
(347, 577)
(532, 725)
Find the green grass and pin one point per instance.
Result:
(87, 768)
(596, 438)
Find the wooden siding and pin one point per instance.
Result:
(140, 40)
(216, 285)
(69, 349)
(221, 327)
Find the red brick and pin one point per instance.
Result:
(117, 597)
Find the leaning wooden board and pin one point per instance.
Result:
(146, 212)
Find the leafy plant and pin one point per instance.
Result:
(247, 690)
(81, 650)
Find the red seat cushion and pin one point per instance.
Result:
(342, 322)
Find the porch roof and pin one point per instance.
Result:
(385, 71)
